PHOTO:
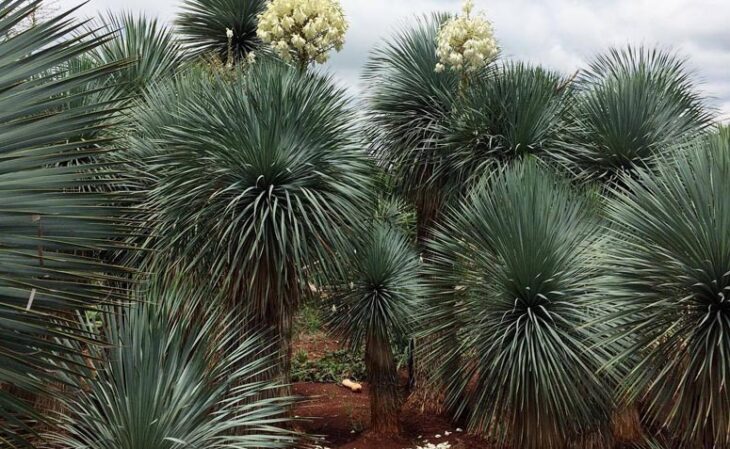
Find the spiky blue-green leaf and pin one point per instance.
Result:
(514, 270)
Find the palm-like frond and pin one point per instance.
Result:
(407, 103)
(385, 292)
(151, 50)
(147, 50)
(671, 272)
(179, 374)
(256, 181)
(516, 109)
(397, 212)
(513, 270)
(390, 207)
(633, 103)
(51, 229)
(203, 23)
(259, 177)
(166, 96)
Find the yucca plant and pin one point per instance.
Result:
(177, 374)
(378, 308)
(397, 212)
(149, 48)
(257, 181)
(513, 268)
(52, 230)
(407, 104)
(203, 25)
(670, 274)
(148, 53)
(514, 110)
(632, 104)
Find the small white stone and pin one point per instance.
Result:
(438, 435)
(459, 429)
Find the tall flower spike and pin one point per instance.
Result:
(466, 42)
(303, 31)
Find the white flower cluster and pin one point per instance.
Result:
(465, 42)
(303, 30)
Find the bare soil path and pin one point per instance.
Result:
(343, 419)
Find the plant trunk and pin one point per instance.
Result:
(427, 210)
(286, 325)
(626, 425)
(428, 207)
(452, 380)
(383, 377)
(277, 322)
(280, 322)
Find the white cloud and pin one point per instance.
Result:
(561, 34)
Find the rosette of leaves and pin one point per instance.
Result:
(670, 274)
(203, 24)
(512, 320)
(177, 373)
(631, 105)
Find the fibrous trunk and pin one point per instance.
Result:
(276, 316)
(383, 376)
(284, 330)
(626, 424)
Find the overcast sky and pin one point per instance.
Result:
(561, 34)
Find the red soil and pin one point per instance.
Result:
(343, 418)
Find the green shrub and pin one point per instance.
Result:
(333, 367)
(308, 320)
